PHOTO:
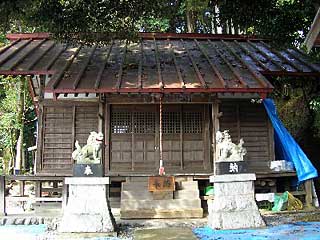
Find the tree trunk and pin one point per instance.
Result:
(190, 22)
(19, 160)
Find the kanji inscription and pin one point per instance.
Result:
(161, 184)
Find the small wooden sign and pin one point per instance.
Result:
(161, 184)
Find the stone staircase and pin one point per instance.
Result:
(138, 203)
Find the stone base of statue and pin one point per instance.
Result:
(87, 208)
(234, 205)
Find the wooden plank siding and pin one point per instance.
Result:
(249, 121)
(61, 126)
(134, 144)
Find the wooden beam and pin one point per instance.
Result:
(214, 68)
(262, 80)
(252, 56)
(2, 196)
(103, 66)
(132, 140)
(181, 137)
(206, 137)
(73, 133)
(279, 55)
(107, 132)
(101, 122)
(56, 80)
(64, 194)
(38, 189)
(15, 51)
(308, 198)
(195, 67)
(34, 61)
(83, 68)
(140, 65)
(55, 57)
(266, 56)
(156, 51)
(216, 127)
(313, 33)
(3, 49)
(27, 53)
(40, 142)
(233, 70)
(119, 80)
(173, 55)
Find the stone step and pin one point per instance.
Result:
(160, 204)
(137, 179)
(136, 195)
(134, 186)
(187, 185)
(162, 213)
(186, 194)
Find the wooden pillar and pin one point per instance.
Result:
(64, 194)
(215, 128)
(107, 134)
(38, 160)
(308, 188)
(38, 189)
(2, 196)
(21, 186)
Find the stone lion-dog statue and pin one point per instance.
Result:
(227, 150)
(89, 153)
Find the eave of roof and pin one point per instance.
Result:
(160, 63)
(313, 38)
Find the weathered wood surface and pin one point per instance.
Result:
(161, 184)
(135, 138)
(249, 121)
(61, 126)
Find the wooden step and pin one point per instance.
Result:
(137, 179)
(162, 213)
(114, 202)
(160, 204)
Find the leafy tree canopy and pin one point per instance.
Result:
(284, 20)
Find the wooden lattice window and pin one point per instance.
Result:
(144, 122)
(171, 122)
(121, 122)
(192, 122)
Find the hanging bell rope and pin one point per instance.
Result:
(161, 168)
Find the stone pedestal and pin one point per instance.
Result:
(87, 208)
(234, 205)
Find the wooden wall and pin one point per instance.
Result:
(61, 126)
(186, 149)
(135, 137)
(249, 121)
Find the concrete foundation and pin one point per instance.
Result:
(234, 205)
(87, 208)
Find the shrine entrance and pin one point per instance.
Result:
(135, 138)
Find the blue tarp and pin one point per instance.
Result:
(287, 148)
(300, 230)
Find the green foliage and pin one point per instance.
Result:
(285, 21)
(10, 119)
(315, 106)
(295, 115)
